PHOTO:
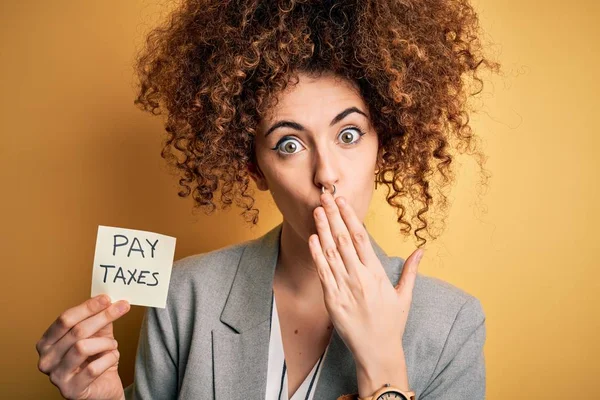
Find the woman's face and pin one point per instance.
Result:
(319, 133)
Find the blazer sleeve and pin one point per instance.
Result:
(155, 375)
(460, 370)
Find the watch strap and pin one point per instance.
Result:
(351, 396)
(354, 396)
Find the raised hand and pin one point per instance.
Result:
(367, 311)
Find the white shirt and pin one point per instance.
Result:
(277, 379)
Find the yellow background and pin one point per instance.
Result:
(76, 153)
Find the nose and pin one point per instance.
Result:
(326, 176)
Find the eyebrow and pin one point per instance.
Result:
(298, 127)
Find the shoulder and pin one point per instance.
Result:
(445, 323)
(443, 301)
(439, 303)
(204, 271)
(448, 314)
(198, 289)
(445, 337)
(210, 262)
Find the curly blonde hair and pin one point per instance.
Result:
(215, 66)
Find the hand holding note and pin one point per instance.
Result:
(79, 353)
(133, 265)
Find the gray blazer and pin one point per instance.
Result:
(212, 339)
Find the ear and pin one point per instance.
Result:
(257, 176)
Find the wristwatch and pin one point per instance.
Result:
(390, 392)
(387, 392)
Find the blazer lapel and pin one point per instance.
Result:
(240, 355)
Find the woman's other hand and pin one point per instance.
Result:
(369, 313)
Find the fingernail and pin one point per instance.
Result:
(420, 255)
(341, 201)
(115, 343)
(122, 307)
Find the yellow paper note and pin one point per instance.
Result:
(133, 265)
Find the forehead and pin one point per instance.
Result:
(323, 94)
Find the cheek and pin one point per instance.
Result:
(294, 203)
(282, 197)
(362, 199)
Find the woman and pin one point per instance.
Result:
(311, 100)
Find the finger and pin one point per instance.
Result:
(84, 330)
(329, 248)
(409, 274)
(328, 281)
(341, 235)
(93, 370)
(70, 318)
(80, 351)
(92, 359)
(106, 331)
(359, 235)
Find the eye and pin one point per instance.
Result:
(346, 137)
(288, 145)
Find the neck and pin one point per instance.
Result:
(296, 272)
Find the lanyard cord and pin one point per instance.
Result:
(312, 380)
(314, 376)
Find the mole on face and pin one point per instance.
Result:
(296, 331)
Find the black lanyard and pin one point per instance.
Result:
(312, 380)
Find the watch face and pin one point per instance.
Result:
(391, 395)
